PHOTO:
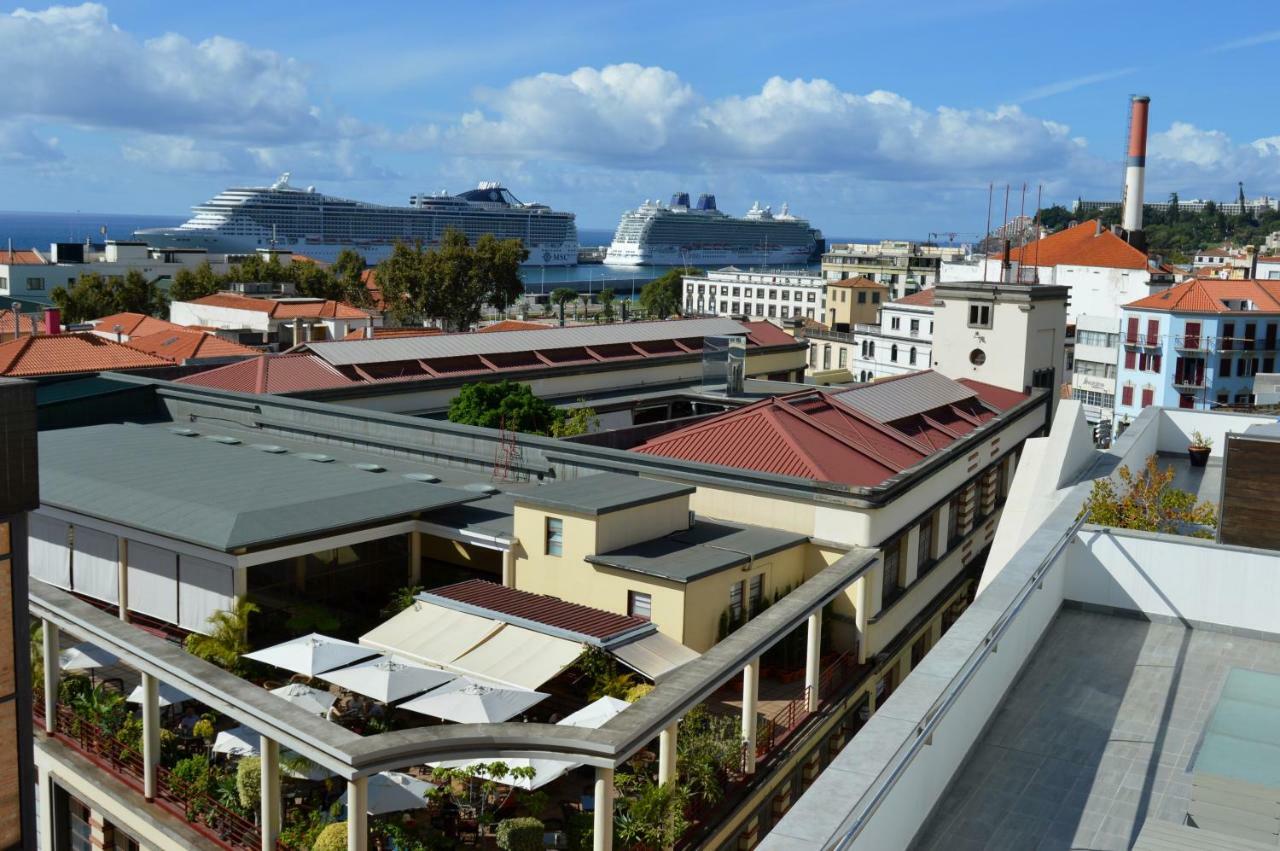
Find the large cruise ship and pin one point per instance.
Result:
(320, 226)
(679, 234)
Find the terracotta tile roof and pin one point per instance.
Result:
(1209, 295)
(271, 374)
(284, 309)
(819, 436)
(514, 325)
(539, 608)
(29, 324)
(183, 345)
(857, 283)
(764, 333)
(30, 258)
(1081, 245)
(382, 333)
(54, 354)
(924, 298)
(134, 325)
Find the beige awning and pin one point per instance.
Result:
(430, 634)
(655, 656)
(520, 656)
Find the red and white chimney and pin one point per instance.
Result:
(1136, 165)
(52, 320)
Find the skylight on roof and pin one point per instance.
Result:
(426, 478)
(268, 447)
(223, 438)
(316, 456)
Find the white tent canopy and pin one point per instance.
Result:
(311, 699)
(311, 654)
(393, 792)
(85, 657)
(389, 678)
(545, 771)
(471, 701)
(168, 695)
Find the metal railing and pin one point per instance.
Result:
(901, 761)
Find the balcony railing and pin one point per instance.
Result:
(834, 336)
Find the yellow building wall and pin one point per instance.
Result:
(767, 363)
(619, 529)
(707, 598)
(754, 509)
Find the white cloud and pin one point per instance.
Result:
(632, 117)
(1208, 163)
(177, 154)
(19, 145)
(1246, 41)
(1064, 86)
(71, 64)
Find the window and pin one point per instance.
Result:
(78, 818)
(1097, 338)
(773, 294)
(1240, 367)
(786, 295)
(871, 349)
(1130, 359)
(895, 323)
(773, 310)
(812, 296)
(953, 520)
(756, 593)
(736, 306)
(844, 296)
(785, 311)
(640, 605)
(760, 292)
(977, 357)
(892, 585)
(915, 327)
(924, 553)
(893, 353)
(875, 298)
(844, 357)
(826, 356)
(35, 283)
(1126, 395)
(1091, 397)
(979, 316)
(555, 536)
(735, 292)
(1228, 336)
(735, 602)
(813, 356)
(1191, 336)
(1096, 369)
(1148, 396)
(4, 283)
(1131, 330)
(864, 348)
(1153, 331)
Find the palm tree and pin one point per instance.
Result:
(228, 637)
(606, 304)
(562, 296)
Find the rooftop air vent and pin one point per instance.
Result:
(370, 468)
(480, 487)
(269, 447)
(316, 456)
(184, 432)
(222, 438)
(426, 478)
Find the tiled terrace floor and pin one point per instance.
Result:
(1095, 737)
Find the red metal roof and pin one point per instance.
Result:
(1209, 295)
(184, 345)
(283, 309)
(857, 283)
(288, 373)
(1081, 245)
(381, 333)
(539, 608)
(766, 334)
(53, 354)
(513, 325)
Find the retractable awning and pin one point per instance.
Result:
(430, 634)
(520, 656)
(655, 656)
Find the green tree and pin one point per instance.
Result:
(332, 838)
(607, 298)
(249, 782)
(481, 787)
(520, 834)
(402, 279)
(650, 815)
(94, 296)
(1056, 217)
(582, 420)
(191, 284)
(348, 270)
(503, 404)
(497, 266)
(228, 637)
(1147, 501)
(662, 296)
(561, 296)
(1172, 214)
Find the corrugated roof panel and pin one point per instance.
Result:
(538, 608)
(889, 400)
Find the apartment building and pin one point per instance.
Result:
(282, 322)
(31, 275)
(901, 341)
(852, 301)
(755, 294)
(1197, 345)
(905, 267)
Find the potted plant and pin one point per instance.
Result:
(1198, 451)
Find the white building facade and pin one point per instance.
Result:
(902, 341)
(758, 294)
(905, 267)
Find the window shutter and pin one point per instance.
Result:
(1148, 396)
(1155, 362)
(1131, 333)
(1126, 395)
(1153, 331)
(1130, 360)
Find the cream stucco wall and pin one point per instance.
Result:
(754, 509)
(619, 529)
(707, 598)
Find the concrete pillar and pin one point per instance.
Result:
(862, 601)
(415, 558)
(150, 734)
(910, 562)
(509, 567)
(45, 803)
(52, 675)
(122, 578)
(813, 653)
(750, 692)
(940, 542)
(602, 833)
(358, 814)
(300, 573)
(269, 789)
(667, 764)
(101, 834)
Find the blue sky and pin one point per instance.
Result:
(871, 119)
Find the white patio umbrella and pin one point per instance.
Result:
(389, 678)
(467, 700)
(393, 792)
(311, 699)
(311, 654)
(546, 770)
(85, 657)
(245, 741)
(168, 695)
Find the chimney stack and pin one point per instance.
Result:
(1136, 165)
(52, 320)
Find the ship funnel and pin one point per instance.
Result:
(680, 199)
(1136, 165)
(706, 201)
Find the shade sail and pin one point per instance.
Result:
(311, 654)
(470, 701)
(389, 678)
(393, 792)
(655, 656)
(168, 695)
(311, 699)
(430, 634)
(594, 715)
(85, 657)
(520, 656)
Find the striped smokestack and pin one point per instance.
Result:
(1136, 164)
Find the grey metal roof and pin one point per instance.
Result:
(601, 494)
(708, 547)
(214, 494)
(914, 393)
(344, 353)
(493, 516)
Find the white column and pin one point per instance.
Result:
(667, 766)
(415, 558)
(269, 790)
(940, 542)
(122, 581)
(813, 652)
(509, 567)
(46, 811)
(602, 833)
(862, 600)
(52, 675)
(750, 691)
(358, 814)
(911, 567)
(150, 734)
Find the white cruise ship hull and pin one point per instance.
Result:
(632, 254)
